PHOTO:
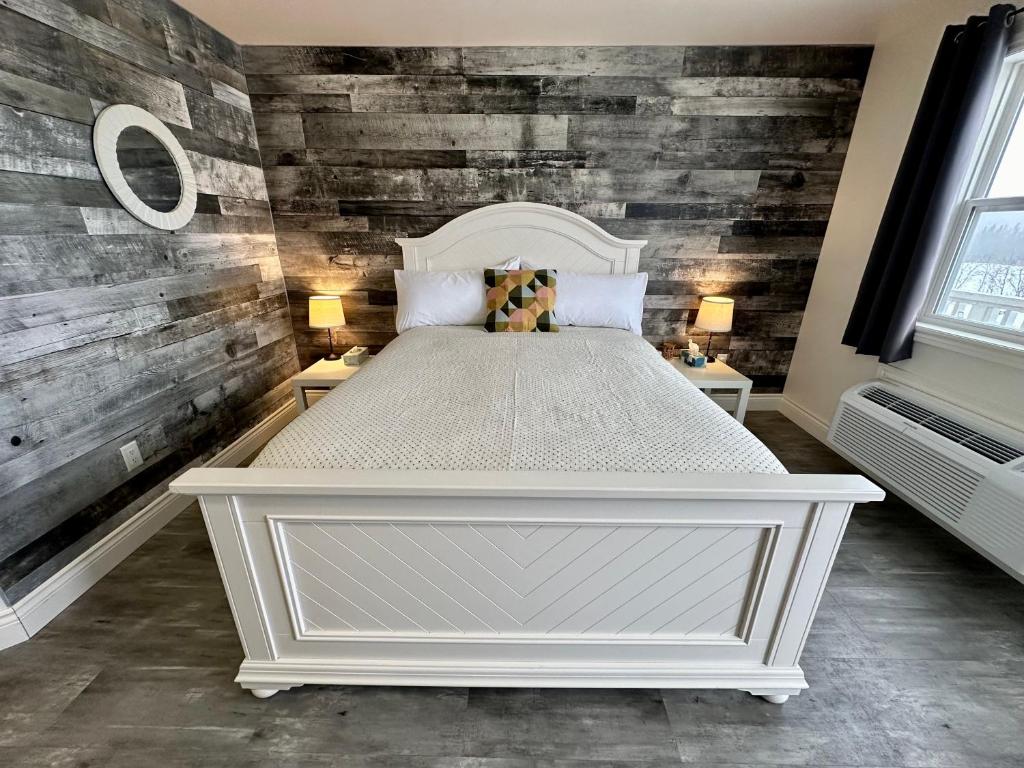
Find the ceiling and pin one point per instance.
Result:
(546, 22)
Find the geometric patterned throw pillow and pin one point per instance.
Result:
(520, 300)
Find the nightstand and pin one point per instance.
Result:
(321, 375)
(718, 375)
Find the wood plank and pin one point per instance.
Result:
(751, 106)
(57, 254)
(483, 186)
(646, 61)
(751, 134)
(372, 131)
(279, 130)
(20, 312)
(25, 93)
(398, 85)
(110, 221)
(38, 143)
(302, 102)
(849, 61)
(689, 87)
(328, 223)
(520, 103)
(240, 206)
(36, 189)
(32, 220)
(148, 30)
(368, 158)
(231, 95)
(217, 176)
(272, 59)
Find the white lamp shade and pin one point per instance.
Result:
(325, 312)
(715, 314)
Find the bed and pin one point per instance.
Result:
(477, 509)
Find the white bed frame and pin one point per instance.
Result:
(524, 578)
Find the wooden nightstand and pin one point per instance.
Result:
(718, 375)
(321, 375)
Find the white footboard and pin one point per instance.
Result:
(524, 579)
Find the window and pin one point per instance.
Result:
(980, 284)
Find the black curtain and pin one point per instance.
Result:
(946, 129)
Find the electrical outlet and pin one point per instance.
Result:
(132, 455)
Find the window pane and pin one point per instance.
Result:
(986, 284)
(1009, 178)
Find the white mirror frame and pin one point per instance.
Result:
(110, 123)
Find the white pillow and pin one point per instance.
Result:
(442, 298)
(601, 301)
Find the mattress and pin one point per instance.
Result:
(459, 398)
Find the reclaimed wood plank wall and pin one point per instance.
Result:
(725, 158)
(111, 331)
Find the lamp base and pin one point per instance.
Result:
(331, 354)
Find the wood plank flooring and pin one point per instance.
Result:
(916, 659)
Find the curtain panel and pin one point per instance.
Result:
(949, 122)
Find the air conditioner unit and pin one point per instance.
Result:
(963, 471)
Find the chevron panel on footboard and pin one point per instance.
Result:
(447, 579)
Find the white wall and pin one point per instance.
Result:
(542, 22)
(822, 367)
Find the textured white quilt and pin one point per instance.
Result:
(582, 400)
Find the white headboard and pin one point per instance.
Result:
(540, 234)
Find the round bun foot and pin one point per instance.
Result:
(266, 693)
(776, 698)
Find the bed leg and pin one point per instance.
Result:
(773, 695)
(263, 693)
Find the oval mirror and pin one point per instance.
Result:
(149, 169)
(145, 166)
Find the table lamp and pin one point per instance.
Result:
(326, 312)
(714, 316)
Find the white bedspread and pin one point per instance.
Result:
(584, 400)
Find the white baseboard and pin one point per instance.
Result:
(39, 607)
(43, 603)
(12, 631)
(807, 421)
(758, 401)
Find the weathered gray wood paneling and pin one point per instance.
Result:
(111, 331)
(726, 159)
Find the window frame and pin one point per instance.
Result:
(1007, 104)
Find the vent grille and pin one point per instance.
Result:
(995, 520)
(974, 441)
(941, 484)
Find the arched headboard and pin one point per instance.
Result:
(542, 235)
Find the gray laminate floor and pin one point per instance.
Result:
(916, 659)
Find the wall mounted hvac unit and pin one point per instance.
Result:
(963, 471)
